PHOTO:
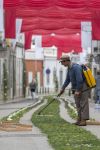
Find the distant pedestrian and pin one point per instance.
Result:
(32, 87)
(97, 89)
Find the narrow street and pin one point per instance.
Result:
(35, 139)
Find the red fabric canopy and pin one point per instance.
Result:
(52, 18)
(62, 41)
(96, 26)
(68, 42)
(50, 24)
(28, 3)
(63, 31)
(93, 4)
(10, 23)
(54, 12)
(47, 16)
(28, 39)
(61, 50)
(65, 43)
(49, 3)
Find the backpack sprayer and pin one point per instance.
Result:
(89, 78)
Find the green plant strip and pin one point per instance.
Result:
(61, 134)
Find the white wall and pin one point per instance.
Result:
(1, 16)
(19, 52)
(34, 54)
(64, 69)
(19, 70)
(52, 63)
(49, 63)
(86, 35)
(95, 44)
(86, 40)
(1, 20)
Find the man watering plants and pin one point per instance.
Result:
(77, 80)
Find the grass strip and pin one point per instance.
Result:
(61, 134)
(72, 112)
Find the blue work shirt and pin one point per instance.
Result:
(75, 76)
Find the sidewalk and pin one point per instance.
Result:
(18, 99)
(95, 114)
(15, 100)
(40, 140)
(25, 140)
(12, 100)
(93, 108)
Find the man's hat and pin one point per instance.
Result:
(64, 58)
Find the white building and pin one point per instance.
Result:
(96, 56)
(52, 68)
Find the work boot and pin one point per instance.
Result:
(77, 122)
(82, 123)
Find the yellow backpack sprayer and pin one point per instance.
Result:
(90, 80)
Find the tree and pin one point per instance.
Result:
(55, 80)
(24, 79)
(5, 82)
(56, 83)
